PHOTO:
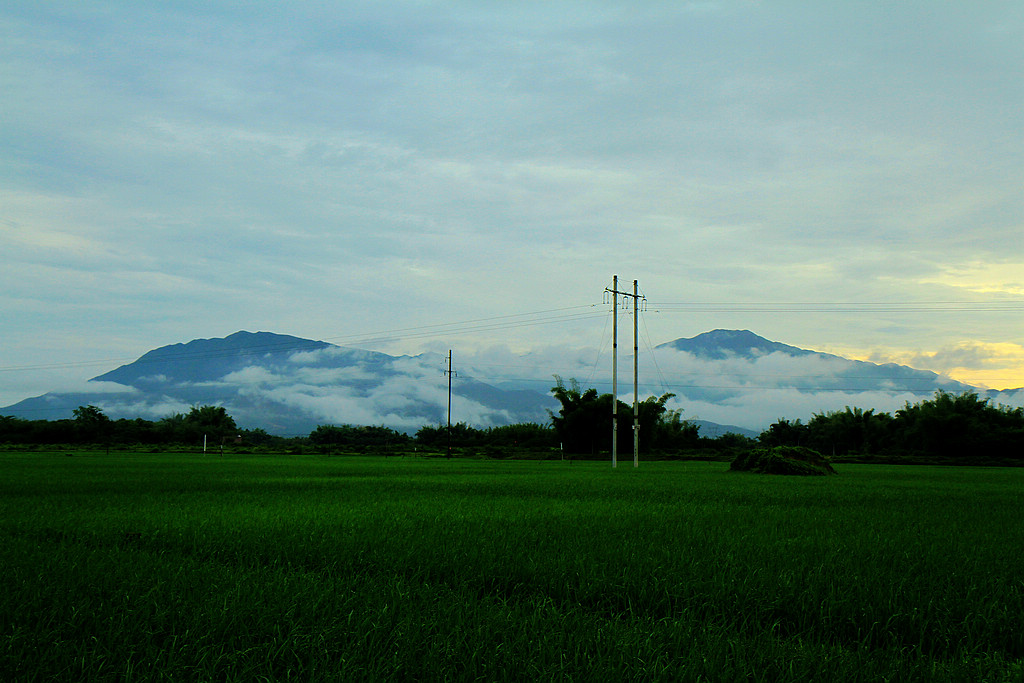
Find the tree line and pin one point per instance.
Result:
(89, 425)
(945, 426)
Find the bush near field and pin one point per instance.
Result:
(783, 460)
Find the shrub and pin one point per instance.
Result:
(782, 460)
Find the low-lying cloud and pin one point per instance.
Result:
(295, 392)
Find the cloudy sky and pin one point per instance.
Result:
(404, 176)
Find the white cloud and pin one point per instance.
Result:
(252, 375)
(408, 395)
(147, 410)
(981, 364)
(94, 387)
(1011, 398)
(758, 409)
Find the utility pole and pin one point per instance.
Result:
(450, 373)
(614, 291)
(636, 399)
(615, 369)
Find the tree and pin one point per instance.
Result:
(258, 436)
(584, 421)
(172, 429)
(213, 421)
(961, 425)
(462, 435)
(522, 435)
(15, 429)
(671, 432)
(850, 431)
(783, 433)
(663, 429)
(136, 431)
(356, 437)
(91, 424)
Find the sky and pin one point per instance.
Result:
(469, 176)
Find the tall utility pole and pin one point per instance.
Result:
(615, 369)
(449, 372)
(615, 372)
(636, 397)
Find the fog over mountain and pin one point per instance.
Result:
(289, 385)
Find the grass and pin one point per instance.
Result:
(186, 567)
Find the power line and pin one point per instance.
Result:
(650, 349)
(570, 314)
(477, 325)
(836, 307)
(605, 339)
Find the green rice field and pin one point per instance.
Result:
(178, 567)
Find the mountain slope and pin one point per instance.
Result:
(782, 365)
(721, 344)
(289, 385)
(208, 358)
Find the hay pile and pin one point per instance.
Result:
(783, 460)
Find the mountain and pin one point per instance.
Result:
(736, 376)
(779, 365)
(721, 344)
(289, 385)
(208, 358)
(725, 380)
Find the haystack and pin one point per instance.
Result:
(783, 460)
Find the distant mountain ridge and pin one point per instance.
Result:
(720, 344)
(844, 374)
(207, 357)
(289, 385)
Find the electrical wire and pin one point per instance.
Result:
(548, 317)
(477, 324)
(653, 357)
(605, 338)
(1009, 305)
(567, 315)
